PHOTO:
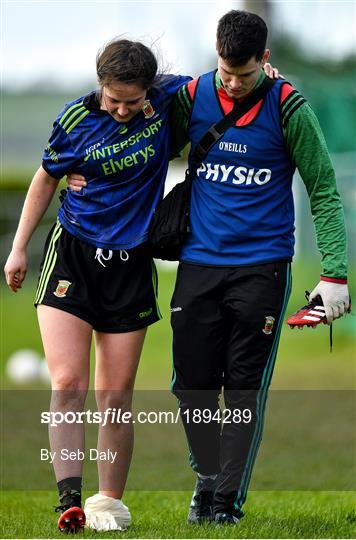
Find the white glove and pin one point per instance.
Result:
(335, 298)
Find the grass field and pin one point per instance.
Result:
(163, 515)
(304, 363)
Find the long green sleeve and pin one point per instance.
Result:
(308, 151)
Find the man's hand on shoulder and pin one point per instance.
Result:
(272, 72)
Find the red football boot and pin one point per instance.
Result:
(72, 519)
(309, 315)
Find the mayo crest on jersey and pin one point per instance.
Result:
(125, 166)
(242, 209)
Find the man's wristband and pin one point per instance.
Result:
(333, 280)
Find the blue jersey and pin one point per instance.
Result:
(242, 208)
(125, 166)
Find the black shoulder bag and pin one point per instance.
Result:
(170, 222)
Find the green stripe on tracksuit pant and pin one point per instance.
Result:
(226, 326)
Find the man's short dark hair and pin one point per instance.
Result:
(240, 36)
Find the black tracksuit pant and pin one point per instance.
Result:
(226, 325)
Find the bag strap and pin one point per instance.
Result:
(216, 131)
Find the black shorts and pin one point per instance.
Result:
(114, 291)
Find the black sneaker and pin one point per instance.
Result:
(224, 518)
(72, 519)
(201, 505)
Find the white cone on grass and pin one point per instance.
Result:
(106, 514)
